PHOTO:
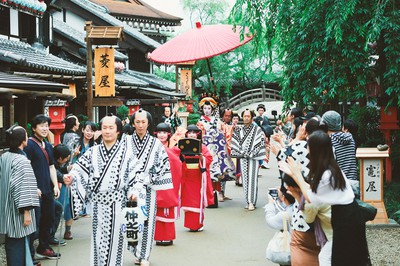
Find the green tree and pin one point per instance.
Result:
(206, 11)
(241, 68)
(323, 45)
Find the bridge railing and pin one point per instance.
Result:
(250, 96)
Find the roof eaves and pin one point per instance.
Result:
(154, 80)
(102, 13)
(78, 37)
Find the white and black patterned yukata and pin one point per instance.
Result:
(104, 178)
(248, 144)
(154, 166)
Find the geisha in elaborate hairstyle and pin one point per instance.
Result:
(222, 167)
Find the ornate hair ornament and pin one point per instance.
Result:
(210, 99)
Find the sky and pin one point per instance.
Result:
(174, 7)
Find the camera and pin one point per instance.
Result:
(273, 192)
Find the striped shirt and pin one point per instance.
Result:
(18, 191)
(345, 153)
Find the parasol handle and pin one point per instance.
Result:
(211, 77)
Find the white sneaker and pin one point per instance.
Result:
(265, 166)
(251, 207)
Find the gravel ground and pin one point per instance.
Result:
(383, 244)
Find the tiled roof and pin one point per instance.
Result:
(152, 92)
(124, 79)
(138, 81)
(127, 77)
(136, 8)
(24, 54)
(102, 13)
(154, 80)
(78, 36)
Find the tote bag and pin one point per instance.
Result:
(278, 249)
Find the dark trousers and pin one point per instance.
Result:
(16, 251)
(45, 214)
(57, 218)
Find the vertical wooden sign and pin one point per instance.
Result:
(186, 82)
(104, 72)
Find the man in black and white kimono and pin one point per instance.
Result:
(248, 145)
(105, 178)
(154, 168)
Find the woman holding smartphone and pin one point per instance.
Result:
(329, 186)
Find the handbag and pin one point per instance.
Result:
(278, 249)
(368, 212)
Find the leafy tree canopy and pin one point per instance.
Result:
(325, 46)
(240, 69)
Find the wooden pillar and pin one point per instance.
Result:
(176, 78)
(89, 65)
(12, 111)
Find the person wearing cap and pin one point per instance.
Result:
(168, 200)
(222, 167)
(248, 145)
(196, 189)
(344, 147)
(263, 122)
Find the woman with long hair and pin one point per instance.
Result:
(303, 247)
(88, 137)
(327, 185)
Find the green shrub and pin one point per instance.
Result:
(392, 200)
(367, 120)
(123, 112)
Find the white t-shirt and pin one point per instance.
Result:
(326, 194)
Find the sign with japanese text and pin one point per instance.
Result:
(104, 72)
(56, 102)
(372, 176)
(186, 82)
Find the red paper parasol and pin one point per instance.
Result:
(201, 42)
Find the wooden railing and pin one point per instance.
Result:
(254, 95)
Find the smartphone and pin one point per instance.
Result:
(273, 192)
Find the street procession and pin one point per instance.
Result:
(222, 133)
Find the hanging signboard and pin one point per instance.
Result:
(186, 82)
(104, 72)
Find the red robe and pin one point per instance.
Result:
(196, 192)
(168, 200)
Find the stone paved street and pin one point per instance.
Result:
(231, 236)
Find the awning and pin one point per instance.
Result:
(20, 85)
(21, 82)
